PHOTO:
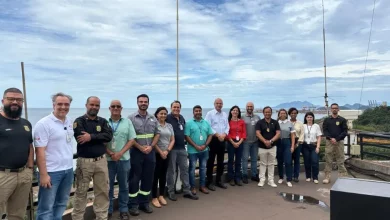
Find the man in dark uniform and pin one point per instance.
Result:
(335, 129)
(91, 133)
(16, 156)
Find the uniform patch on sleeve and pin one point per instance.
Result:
(74, 125)
(26, 128)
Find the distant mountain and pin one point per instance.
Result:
(296, 104)
(349, 107)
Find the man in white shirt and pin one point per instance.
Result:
(53, 137)
(220, 126)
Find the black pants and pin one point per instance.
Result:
(217, 148)
(160, 175)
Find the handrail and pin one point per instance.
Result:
(363, 144)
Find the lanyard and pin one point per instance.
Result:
(200, 128)
(117, 125)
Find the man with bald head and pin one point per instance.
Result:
(220, 127)
(118, 157)
(92, 133)
(251, 142)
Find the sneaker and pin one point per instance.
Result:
(280, 181)
(325, 181)
(261, 183)
(308, 180)
(316, 181)
(272, 184)
(124, 216)
(289, 184)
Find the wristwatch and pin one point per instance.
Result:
(271, 141)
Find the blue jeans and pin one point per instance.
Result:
(203, 157)
(284, 156)
(296, 156)
(52, 201)
(311, 161)
(121, 170)
(252, 150)
(232, 151)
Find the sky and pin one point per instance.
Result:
(265, 51)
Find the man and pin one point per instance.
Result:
(251, 144)
(220, 125)
(143, 157)
(53, 136)
(268, 132)
(119, 157)
(335, 129)
(198, 134)
(16, 156)
(178, 155)
(91, 133)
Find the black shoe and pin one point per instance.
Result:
(239, 183)
(109, 216)
(245, 180)
(124, 216)
(256, 179)
(211, 187)
(172, 197)
(191, 196)
(232, 183)
(146, 209)
(221, 185)
(296, 180)
(134, 211)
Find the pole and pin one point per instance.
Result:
(323, 37)
(31, 197)
(177, 49)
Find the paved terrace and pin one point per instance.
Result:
(248, 202)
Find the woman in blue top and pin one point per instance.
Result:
(164, 146)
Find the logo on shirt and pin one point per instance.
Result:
(26, 128)
(37, 138)
(8, 129)
(337, 123)
(98, 128)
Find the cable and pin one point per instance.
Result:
(365, 65)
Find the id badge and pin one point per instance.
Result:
(113, 145)
(68, 138)
(181, 127)
(253, 122)
(237, 138)
(267, 129)
(201, 138)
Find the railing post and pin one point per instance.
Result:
(361, 146)
(349, 145)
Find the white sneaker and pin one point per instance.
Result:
(261, 183)
(308, 180)
(280, 181)
(316, 181)
(289, 184)
(272, 184)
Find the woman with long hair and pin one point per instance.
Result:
(299, 137)
(164, 146)
(285, 147)
(236, 137)
(311, 147)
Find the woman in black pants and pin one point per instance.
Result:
(164, 146)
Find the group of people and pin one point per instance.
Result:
(143, 151)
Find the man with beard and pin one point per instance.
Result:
(16, 156)
(178, 155)
(92, 133)
(143, 157)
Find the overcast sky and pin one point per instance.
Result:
(266, 51)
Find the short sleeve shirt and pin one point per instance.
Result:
(123, 132)
(166, 133)
(198, 131)
(267, 130)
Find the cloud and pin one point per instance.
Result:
(265, 51)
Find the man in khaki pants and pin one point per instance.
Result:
(16, 156)
(91, 132)
(335, 130)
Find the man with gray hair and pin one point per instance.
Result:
(53, 137)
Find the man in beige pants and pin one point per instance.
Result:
(91, 132)
(16, 156)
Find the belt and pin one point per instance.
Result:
(92, 159)
(18, 170)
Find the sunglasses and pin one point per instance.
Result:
(116, 106)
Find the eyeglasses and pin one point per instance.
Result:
(116, 106)
(11, 99)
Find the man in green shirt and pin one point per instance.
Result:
(119, 157)
(198, 134)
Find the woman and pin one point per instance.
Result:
(299, 137)
(285, 147)
(164, 146)
(237, 134)
(311, 147)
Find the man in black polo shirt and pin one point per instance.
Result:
(335, 129)
(16, 156)
(178, 155)
(91, 133)
(267, 131)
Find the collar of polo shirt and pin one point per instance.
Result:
(284, 121)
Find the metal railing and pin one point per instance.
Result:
(374, 145)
